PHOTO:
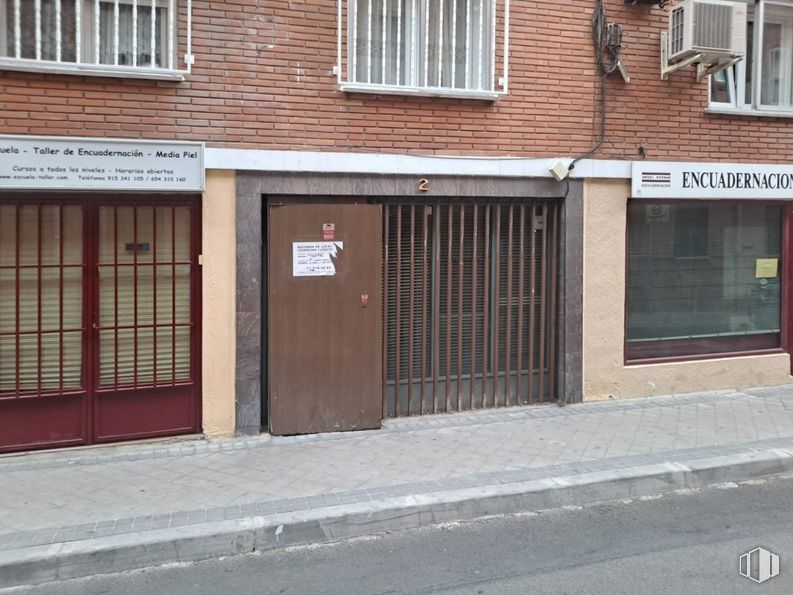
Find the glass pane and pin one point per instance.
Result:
(28, 234)
(719, 87)
(182, 348)
(50, 299)
(28, 362)
(132, 51)
(182, 234)
(8, 364)
(748, 62)
(144, 235)
(777, 56)
(434, 43)
(182, 301)
(8, 235)
(116, 355)
(140, 293)
(28, 300)
(51, 361)
(362, 43)
(72, 298)
(50, 234)
(49, 28)
(125, 242)
(129, 238)
(164, 247)
(8, 300)
(107, 235)
(145, 291)
(72, 359)
(72, 234)
(694, 271)
(165, 354)
(145, 348)
(165, 294)
(173, 354)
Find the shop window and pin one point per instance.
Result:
(97, 36)
(691, 232)
(423, 46)
(763, 80)
(702, 279)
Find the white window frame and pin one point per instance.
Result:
(87, 43)
(418, 80)
(741, 99)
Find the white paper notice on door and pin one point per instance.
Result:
(314, 259)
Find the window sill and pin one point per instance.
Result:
(648, 361)
(127, 72)
(734, 111)
(375, 89)
(706, 347)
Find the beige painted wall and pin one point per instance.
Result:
(605, 375)
(218, 303)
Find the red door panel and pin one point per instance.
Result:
(138, 413)
(144, 308)
(43, 325)
(37, 422)
(98, 310)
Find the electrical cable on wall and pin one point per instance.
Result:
(607, 42)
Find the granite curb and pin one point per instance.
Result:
(45, 563)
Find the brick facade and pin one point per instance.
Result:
(263, 79)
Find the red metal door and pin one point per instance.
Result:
(99, 306)
(325, 329)
(44, 383)
(144, 311)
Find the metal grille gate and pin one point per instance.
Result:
(470, 304)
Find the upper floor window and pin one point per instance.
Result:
(139, 38)
(434, 47)
(763, 80)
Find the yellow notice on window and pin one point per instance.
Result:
(766, 268)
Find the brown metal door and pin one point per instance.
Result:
(325, 329)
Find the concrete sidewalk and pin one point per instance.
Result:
(94, 510)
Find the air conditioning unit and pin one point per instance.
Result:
(711, 31)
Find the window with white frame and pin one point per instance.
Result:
(763, 80)
(137, 37)
(432, 46)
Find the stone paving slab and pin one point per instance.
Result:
(147, 523)
(137, 494)
(85, 488)
(386, 512)
(70, 495)
(184, 446)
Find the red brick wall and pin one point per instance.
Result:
(263, 79)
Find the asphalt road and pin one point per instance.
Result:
(680, 543)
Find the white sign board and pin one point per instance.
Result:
(314, 259)
(29, 162)
(658, 179)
